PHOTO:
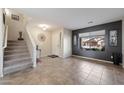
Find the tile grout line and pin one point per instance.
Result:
(101, 76)
(89, 73)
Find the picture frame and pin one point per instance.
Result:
(15, 17)
(113, 38)
(93, 41)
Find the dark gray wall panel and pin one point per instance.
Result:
(106, 55)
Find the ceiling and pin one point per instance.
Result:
(73, 18)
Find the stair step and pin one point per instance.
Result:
(17, 59)
(11, 63)
(16, 44)
(15, 52)
(15, 41)
(7, 58)
(17, 67)
(15, 48)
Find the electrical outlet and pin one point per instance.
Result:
(111, 57)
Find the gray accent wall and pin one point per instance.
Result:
(102, 55)
(123, 41)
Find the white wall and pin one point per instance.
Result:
(54, 43)
(67, 43)
(45, 46)
(61, 45)
(123, 40)
(1, 43)
(57, 42)
(14, 27)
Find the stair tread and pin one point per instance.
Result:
(14, 63)
(17, 62)
(15, 54)
(15, 41)
(7, 59)
(16, 50)
(16, 59)
(15, 68)
(16, 46)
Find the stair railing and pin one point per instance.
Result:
(31, 46)
(5, 37)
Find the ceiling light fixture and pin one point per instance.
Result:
(44, 26)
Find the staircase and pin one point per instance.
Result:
(16, 57)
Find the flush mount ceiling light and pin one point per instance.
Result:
(43, 26)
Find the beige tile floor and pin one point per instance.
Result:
(70, 71)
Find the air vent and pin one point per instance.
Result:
(15, 17)
(90, 22)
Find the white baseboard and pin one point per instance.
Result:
(92, 59)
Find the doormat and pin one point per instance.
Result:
(53, 56)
